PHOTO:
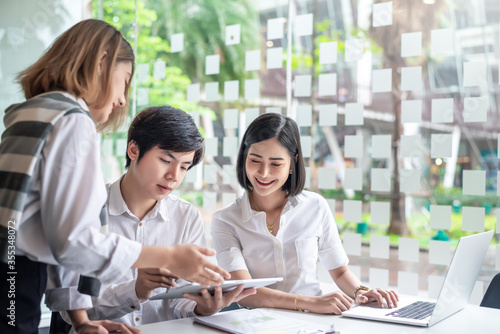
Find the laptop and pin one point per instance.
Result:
(453, 296)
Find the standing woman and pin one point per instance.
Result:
(51, 188)
(278, 229)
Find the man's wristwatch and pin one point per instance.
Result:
(361, 287)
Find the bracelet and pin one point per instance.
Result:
(361, 287)
(297, 307)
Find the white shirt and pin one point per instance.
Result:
(307, 231)
(172, 221)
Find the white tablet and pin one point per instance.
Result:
(195, 288)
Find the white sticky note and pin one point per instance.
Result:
(231, 118)
(353, 179)
(327, 178)
(331, 205)
(230, 146)
(442, 41)
(411, 111)
(440, 217)
(435, 283)
(107, 147)
(274, 58)
(382, 80)
(142, 72)
(142, 96)
(441, 145)
(474, 182)
(121, 147)
(328, 53)
(107, 169)
(210, 174)
(212, 91)
(498, 185)
(302, 85)
(352, 243)
(439, 252)
(306, 143)
(177, 42)
(307, 184)
(497, 259)
(408, 249)
(477, 293)
(304, 25)
(411, 146)
(379, 246)
(408, 283)
(475, 109)
(352, 211)
(276, 110)
(327, 84)
(442, 110)
(159, 69)
(231, 90)
(233, 34)
(328, 115)
(473, 219)
(196, 118)
(380, 179)
(304, 115)
(379, 278)
(354, 114)
(212, 64)
(275, 28)
(212, 147)
(475, 74)
(193, 92)
(354, 49)
(228, 199)
(498, 146)
(381, 146)
(252, 89)
(252, 60)
(250, 115)
(382, 14)
(411, 44)
(410, 181)
(411, 78)
(353, 146)
(209, 200)
(380, 213)
(192, 174)
(229, 175)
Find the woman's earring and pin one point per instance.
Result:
(291, 171)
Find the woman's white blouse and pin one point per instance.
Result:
(307, 232)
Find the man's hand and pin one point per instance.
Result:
(149, 279)
(105, 327)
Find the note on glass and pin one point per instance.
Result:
(107, 171)
(442, 42)
(231, 118)
(231, 90)
(475, 109)
(473, 219)
(353, 49)
(352, 211)
(475, 74)
(474, 182)
(327, 84)
(107, 147)
(193, 93)
(331, 205)
(304, 115)
(276, 110)
(442, 110)
(233, 34)
(440, 217)
(196, 117)
(408, 283)
(302, 85)
(327, 178)
(142, 96)
(212, 91)
(411, 78)
(121, 147)
(252, 89)
(328, 53)
(441, 145)
(379, 278)
(210, 174)
(382, 14)
(275, 28)
(411, 44)
(252, 60)
(411, 146)
(304, 25)
(306, 142)
(379, 246)
(177, 42)
(353, 179)
(408, 249)
(381, 146)
(328, 115)
(307, 184)
(382, 80)
(192, 174)
(142, 72)
(212, 147)
(209, 200)
(228, 199)
(353, 146)
(380, 213)
(380, 179)
(229, 175)
(498, 146)
(354, 114)
(411, 111)
(435, 284)
(352, 243)
(230, 146)
(159, 69)
(212, 64)
(410, 181)
(439, 252)
(498, 190)
(250, 115)
(274, 58)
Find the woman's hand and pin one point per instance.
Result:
(331, 303)
(388, 297)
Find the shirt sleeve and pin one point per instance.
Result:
(227, 246)
(62, 290)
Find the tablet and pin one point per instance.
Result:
(195, 288)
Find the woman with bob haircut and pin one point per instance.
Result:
(52, 189)
(277, 229)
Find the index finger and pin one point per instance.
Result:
(214, 271)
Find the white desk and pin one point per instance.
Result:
(472, 319)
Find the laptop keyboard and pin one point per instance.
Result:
(416, 310)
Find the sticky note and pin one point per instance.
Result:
(230, 146)
(498, 185)
(379, 278)
(328, 53)
(474, 182)
(231, 90)
(382, 14)
(407, 283)
(408, 249)
(142, 72)
(380, 213)
(439, 252)
(411, 146)
(331, 205)
(353, 179)
(142, 96)
(411, 78)
(498, 146)
(308, 178)
(411, 111)
(327, 115)
(252, 89)
(380, 179)
(276, 110)
(233, 34)
(354, 114)
(353, 49)
(121, 147)
(212, 91)
(231, 118)
(353, 146)
(475, 74)
(212, 64)
(274, 58)
(193, 92)
(352, 211)
(252, 60)
(210, 174)
(107, 169)
(440, 217)
(381, 146)
(192, 174)
(327, 178)
(229, 175)
(435, 283)
(473, 219)
(177, 42)
(441, 145)
(442, 42)
(212, 147)
(250, 115)
(382, 80)
(410, 181)
(306, 143)
(304, 115)
(304, 25)
(275, 28)
(352, 243)
(159, 69)
(411, 44)
(107, 147)
(303, 85)
(379, 246)
(442, 110)
(475, 109)
(228, 199)
(327, 84)
(209, 200)
(196, 117)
